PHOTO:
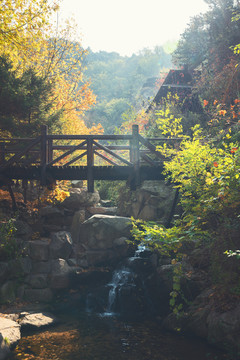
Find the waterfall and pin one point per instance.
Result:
(122, 277)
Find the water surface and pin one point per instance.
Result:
(91, 337)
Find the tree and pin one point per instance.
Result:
(26, 39)
(25, 101)
(210, 36)
(207, 44)
(21, 21)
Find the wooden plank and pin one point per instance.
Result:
(75, 159)
(85, 137)
(148, 159)
(90, 164)
(43, 156)
(50, 150)
(18, 156)
(135, 156)
(150, 146)
(105, 158)
(111, 147)
(77, 147)
(112, 153)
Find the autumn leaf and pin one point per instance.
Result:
(222, 112)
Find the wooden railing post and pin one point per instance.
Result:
(43, 155)
(50, 150)
(90, 164)
(2, 152)
(135, 154)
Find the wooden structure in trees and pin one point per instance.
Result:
(180, 83)
(93, 157)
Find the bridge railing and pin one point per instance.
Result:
(49, 150)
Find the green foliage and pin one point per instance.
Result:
(25, 101)
(168, 243)
(8, 246)
(231, 253)
(209, 36)
(208, 177)
(109, 190)
(117, 82)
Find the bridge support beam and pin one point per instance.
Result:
(135, 157)
(90, 164)
(44, 131)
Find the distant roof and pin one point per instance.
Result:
(178, 82)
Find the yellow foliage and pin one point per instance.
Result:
(29, 40)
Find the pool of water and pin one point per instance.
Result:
(92, 337)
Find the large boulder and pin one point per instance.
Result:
(61, 245)
(221, 328)
(153, 201)
(39, 249)
(103, 239)
(80, 198)
(9, 335)
(60, 275)
(36, 320)
(78, 218)
(8, 291)
(100, 231)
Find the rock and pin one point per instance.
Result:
(49, 229)
(72, 262)
(60, 276)
(50, 211)
(120, 241)
(99, 231)
(39, 295)
(41, 267)
(153, 201)
(39, 249)
(4, 348)
(60, 266)
(77, 183)
(23, 229)
(148, 213)
(80, 198)
(8, 292)
(82, 263)
(39, 281)
(201, 319)
(25, 265)
(99, 257)
(78, 218)
(224, 328)
(9, 336)
(106, 203)
(3, 271)
(61, 245)
(36, 320)
(102, 210)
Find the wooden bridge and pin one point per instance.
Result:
(81, 157)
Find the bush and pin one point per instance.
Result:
(9, 248)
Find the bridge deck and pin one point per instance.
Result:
(81, 172)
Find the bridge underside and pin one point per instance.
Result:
(52, 173)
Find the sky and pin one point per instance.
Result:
(128, 26)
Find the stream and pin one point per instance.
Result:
(91, 337)
(105, 330)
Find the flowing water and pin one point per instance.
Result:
(99, 333)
